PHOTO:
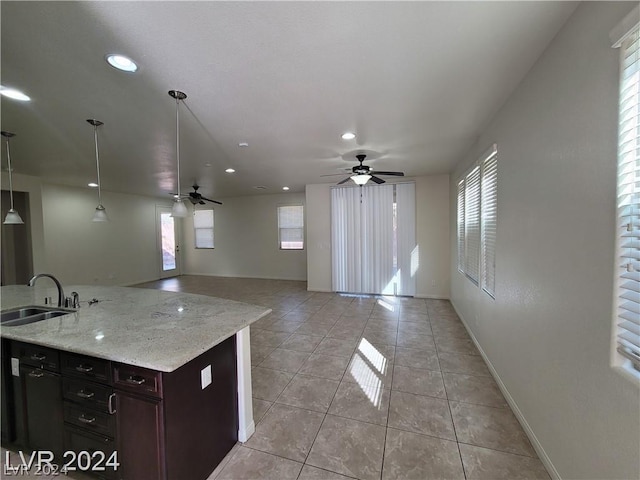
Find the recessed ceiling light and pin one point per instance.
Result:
(243, 144)
(207, 164)
(13, 93)
(93, 185)
(285, 188)
(122, 63)
(260, 187)
(348, 136)
(230, 170)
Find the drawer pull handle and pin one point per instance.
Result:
(112, 397)
(84, 369)
(136, 379)
(36, 374)
(84, 419)
(38, 357)
(83, 394)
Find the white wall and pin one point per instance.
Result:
(122, 251)
(547, 334)
(246, 241)
(432, 232)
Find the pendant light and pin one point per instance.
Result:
(100, 215)
(179, 208)
(13, 217)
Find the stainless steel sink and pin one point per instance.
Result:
(30, 314)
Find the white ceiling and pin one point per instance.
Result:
(415, 80)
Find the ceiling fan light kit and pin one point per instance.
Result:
(100, 214)
(362, 173)
(13, 217)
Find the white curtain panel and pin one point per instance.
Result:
(408, 254)
(346, 223)
(378, 274)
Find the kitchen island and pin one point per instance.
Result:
(163, 348)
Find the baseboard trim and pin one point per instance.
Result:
(245, 434)
(245, 276)
(323, 290)
(537, 446)
(431, 297)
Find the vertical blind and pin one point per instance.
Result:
(377, 239)
(346, 271)
(472, 224)
(489, 194)
(291, 227)
(461, 225)
(628, 302)
(203, 228)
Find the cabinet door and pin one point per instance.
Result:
(140, 437)
(43, 401)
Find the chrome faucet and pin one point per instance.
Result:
(61, 300)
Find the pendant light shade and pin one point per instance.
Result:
(179, 208)
(13, 217)
(360, 179)
(100, 215)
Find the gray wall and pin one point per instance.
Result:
(548, 333)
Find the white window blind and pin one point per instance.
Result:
(489, 194)
(203, 228)
(628, 236)
(291, 227)
(461, 225)
(472, 224)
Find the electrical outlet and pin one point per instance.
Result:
(205, 377)
(15, 367)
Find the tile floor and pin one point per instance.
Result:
(369, 388)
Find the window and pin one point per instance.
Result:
(203, 228)
(291, 227)
(627, 308)
(477, 221)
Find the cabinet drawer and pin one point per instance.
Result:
(89, 419)
(77, 441)
(37, 356)
(88, 367)
(137, 379)
(87, 394)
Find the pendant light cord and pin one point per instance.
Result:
(95, 137)
(10, 180)
(178, 142)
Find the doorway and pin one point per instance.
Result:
(168, 242)
(17, 255)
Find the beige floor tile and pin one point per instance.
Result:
(383, 323)
(384, 336)
(337, 347)
(414, 329)
(420, 414)
(308, 328)
(287, 432)
(414, 316)
(267, 337)
(409, 340)
(325, 366)
(367, 348)
(282, 325)
(471, 389)
(345, 332)
(302, 343)
(367, 403)
(314, 473)
(461, 346)
(410, 456)
(449, 329)
(260, 407)
(248, 464)
(313, 393)
(349, 447)
(285, 360)
(485, 464)
(490, 427)
(416, 358)
(370, 368)
(418, 381)
(259, 353)
(465, 364)
(267, 384)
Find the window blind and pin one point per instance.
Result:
(489, 194)
(291, 227)
(461, 225)
(628, 284)
(203, 228)
(472, 224)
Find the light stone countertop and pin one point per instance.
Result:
(148, 328)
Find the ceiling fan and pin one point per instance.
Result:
(196, 198)
(362, 173)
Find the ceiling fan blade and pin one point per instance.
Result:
(202, 202)
(397, 174)
(192, 200)
(332, 174)
(212, 201)
(344, 181)
(376, 179)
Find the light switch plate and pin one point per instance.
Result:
(205, 376)
(15, 367)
